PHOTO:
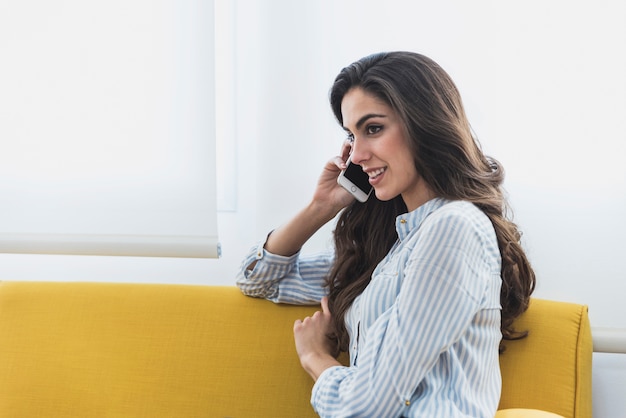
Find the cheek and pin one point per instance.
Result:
(408, 165)
(411, 178)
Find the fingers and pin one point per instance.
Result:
(324, 312)
(339, 162)
(306, 319)
(346, 149)
(324, 303)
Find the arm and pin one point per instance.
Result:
(275, 270)
(295, 279)
(288, 239)
(329, 198)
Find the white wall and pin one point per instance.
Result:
(545, 93)
(544, 88)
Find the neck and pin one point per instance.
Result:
(418, 197)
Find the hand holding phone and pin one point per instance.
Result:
(355, 181)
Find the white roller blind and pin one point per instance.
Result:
(107, 128)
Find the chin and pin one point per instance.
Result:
(381, 195)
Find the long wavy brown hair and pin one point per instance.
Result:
(451, 162)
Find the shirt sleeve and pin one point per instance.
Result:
(296, 279)
(439, 296)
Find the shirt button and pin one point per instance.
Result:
(402, 221)
(407, 402)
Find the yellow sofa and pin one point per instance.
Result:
(137, 350)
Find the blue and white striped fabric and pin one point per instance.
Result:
(425, 332)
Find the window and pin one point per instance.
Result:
(108, 128)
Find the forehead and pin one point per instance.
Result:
(358, 103)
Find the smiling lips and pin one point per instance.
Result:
(375, 173)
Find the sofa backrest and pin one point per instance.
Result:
(130, 350)
(136, 350)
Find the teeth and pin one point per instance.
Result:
(374, 174)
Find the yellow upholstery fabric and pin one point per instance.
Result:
(111, 350)
(550, 369)
(135, 350)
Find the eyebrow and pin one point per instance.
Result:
(364, 119)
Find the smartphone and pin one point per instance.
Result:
(354, 180)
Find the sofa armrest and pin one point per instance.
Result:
(550, 369)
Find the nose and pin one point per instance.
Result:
(359, 153)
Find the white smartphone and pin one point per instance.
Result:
(354, 180)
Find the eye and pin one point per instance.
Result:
(350, 137)
(373, 129)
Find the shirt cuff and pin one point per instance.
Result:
(276, 259)
(327, 386)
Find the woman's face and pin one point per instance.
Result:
(380, 146)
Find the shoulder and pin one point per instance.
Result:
(461, 224)
(459, 214)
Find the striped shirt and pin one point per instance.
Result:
(424, 334)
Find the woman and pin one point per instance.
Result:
(426, 277)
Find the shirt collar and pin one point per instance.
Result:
(407, 222)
